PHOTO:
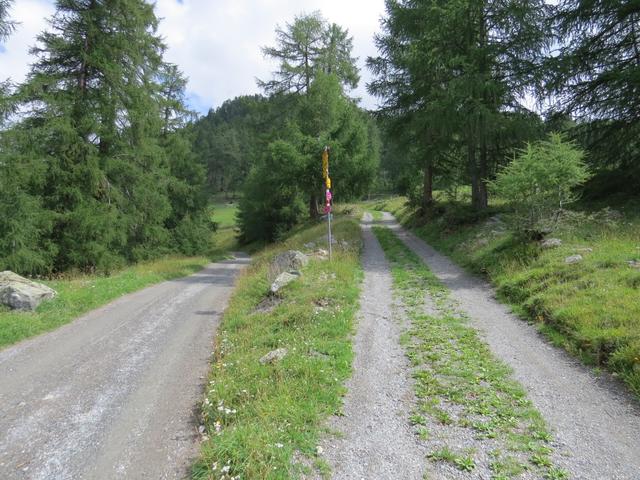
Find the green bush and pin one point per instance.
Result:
(540, 182)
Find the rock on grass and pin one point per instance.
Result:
(20, 293)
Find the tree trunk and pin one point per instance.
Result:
(479, 195)
(427, 187)
(473, 172)
(313, 207)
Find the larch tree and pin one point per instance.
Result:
(24, 223)
(595, 77)
(101, 123)
(305, 47)
(7, 26)
(454, 68)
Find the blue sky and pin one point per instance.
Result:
(216, 43)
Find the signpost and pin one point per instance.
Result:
(328, 195)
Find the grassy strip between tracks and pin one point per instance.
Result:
(264, 421)
(472, 415)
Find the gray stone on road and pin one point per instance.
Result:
(114, 394)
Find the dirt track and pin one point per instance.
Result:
(112, 395)
(376, 441)
(595, 422)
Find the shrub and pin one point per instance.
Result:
(540, 182)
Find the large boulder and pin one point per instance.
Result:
(573, 259)
(284, 279)
(551, 243)
(289, 261)
(20, 293)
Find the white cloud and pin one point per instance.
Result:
(216, 42)
(31, 16)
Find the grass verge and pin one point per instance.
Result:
(80, 294)
(264, 421)
(478, 416)
(590, 308)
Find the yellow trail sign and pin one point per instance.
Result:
(325, 163)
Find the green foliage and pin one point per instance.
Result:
(599, 59)
(452, 76)
(307, 47)
(230, 139)
(272, 201)
(6, 25)
(540, 182)
(288, 179)
(98, 170)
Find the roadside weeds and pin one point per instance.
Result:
(264, 421)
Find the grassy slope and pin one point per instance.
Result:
(79, 294)
(259, 418)
(224, 240)
(591, 308)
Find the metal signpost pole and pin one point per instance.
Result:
(328, 196)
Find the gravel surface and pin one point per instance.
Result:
(596, 423)
(113, 394)
(376, 440)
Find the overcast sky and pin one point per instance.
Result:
(216, 43)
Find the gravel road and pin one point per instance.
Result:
(596, 423)
(376, 440)
(112, 395)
